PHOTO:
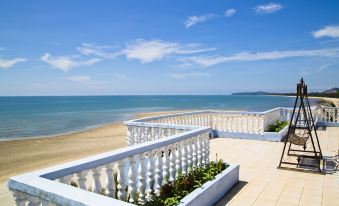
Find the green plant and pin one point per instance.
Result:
(276, 126)
(172, 192)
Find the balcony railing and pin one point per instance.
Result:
(144, 167)
(328, 116)
(159, 148)
(146, 129)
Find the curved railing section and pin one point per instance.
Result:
(221, 122)
(130, 174)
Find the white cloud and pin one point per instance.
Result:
(230, 12)
(328, 31)
(66, 63)
(8, 63)
(192, 20)
(268, 8)
(321, 68)
(103, 51)
(155, 50)
(188, 75)
(206, 61)
(78, 78)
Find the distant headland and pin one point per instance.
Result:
(333, 93)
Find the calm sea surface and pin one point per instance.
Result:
(23, 117)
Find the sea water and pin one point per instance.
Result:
(24, 117)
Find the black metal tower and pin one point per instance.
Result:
(301, 145)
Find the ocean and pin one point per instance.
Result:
(25, 117)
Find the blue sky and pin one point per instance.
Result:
(166, 47)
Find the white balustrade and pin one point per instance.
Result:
(160, 147)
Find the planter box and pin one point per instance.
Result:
(214, 190)
(266, 136)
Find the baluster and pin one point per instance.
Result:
(134, 135)
(172, 163)
(81, 179)
(166, 165)
(199, 150)
(132, 183)
(130, 140)
(96, 173)
(67, 179)
(195, 152)
(142, 179)
(184, 157)
(150, 174)
(163, 133)
(159, 171)
(207, 149)
(33, 201)
(110, 184)
(178, 162)
(121, 180)
(19, 197)
(203, 149)
(190, 154)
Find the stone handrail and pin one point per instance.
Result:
(145, 129)
(328, 115)
(141, 168)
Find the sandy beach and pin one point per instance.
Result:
(20, 156)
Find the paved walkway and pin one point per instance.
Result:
(261, 183)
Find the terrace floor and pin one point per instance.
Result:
(261, 183)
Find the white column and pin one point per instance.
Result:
(178, 166)
(158, 170)
(172, 163)
(96, 173)
(121, 180)
(110, 184)
(150, 175)
(184, 157)
(189, 154)
(195, 152)
(19, 197)
(203, 149)
(199, 150)
(166, 165)
(81, 179)
(207, 149)
(142, 179)
(132, 183)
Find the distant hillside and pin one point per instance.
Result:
(334, 93)
(333, 90)
(252, 93)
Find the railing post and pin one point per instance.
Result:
(110, 184)
(132, 183)
(150, 179)
(172, 163)
(82, 178)
(142, 179)
(121, 180)
(158, 170)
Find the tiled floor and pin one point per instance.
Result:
(261, 183)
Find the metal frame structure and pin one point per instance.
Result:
(302, 119)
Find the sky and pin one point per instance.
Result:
(166, 47)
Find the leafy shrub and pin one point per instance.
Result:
(172, 192)
(276, 126)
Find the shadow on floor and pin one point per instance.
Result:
(228, 197)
